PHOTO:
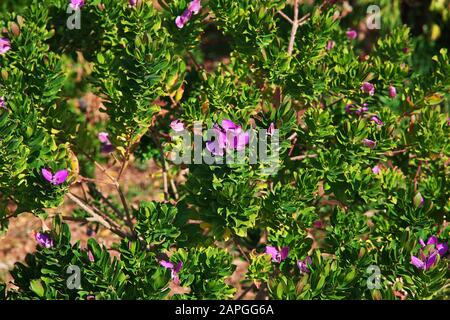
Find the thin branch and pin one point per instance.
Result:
(95, 217)
(174, 189)
(294, 28)
(98, 165)
(281, 13)
(242, 295)
(125, 160)
(302, 157)
(304, 19)
(8, 217)
(129, 221)
(244, 254)
(164, 169)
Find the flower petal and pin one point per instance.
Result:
(47, 174)
(60, 177)
(417, 262)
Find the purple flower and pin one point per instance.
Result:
(418, 200)
(351, 34)
(177, 125)
(106, 145)
(271, 129)
(2, 103)
(369, 143)
(376, 120)
(216, 147)
(376, 169)
(180, 21)
(350, 108)
(5, 45)
(303, 265)
(330, 45)
(58, 178)
(174, 270)
(132, 3)
(318, 224)
(277, 255)
(392, 92)
(362, 110)
(230, 136)
(44, 240)
(103, 137)
(90, 297)
(91, 256)
(424, 262)
(440, 247)
(427, 256)
(368, 87)
(76, 4)
(193, 8)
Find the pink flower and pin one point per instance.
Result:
(376, 169)
(352, 34)
(392, 92)
(91, 256)
(5, 45)
(277, 255)
(180, 21)
(56, 179)
(229, 136)
(177, 125)
(368, 87)
(376, 120)
(44, 240)
(330, 45)
(271, 129)
(2, 103)
(440, 247)
(370, 143)
(193, 8)
(428, 254)
(76, 4)
(174, 270)
(303, 265)
(106, 145)
(350, 108)
(418, 200)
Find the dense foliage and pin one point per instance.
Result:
(362, 179)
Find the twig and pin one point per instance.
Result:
(8, 217)
(246, 291)
(292, 136)
(98, 165)
(197, 66)
(95, 216)
(164, 168)
(302, 157)
(294, 28)
(174, 189)
(125, 160)
(129, 221)
(281, 13)
(241, 250)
